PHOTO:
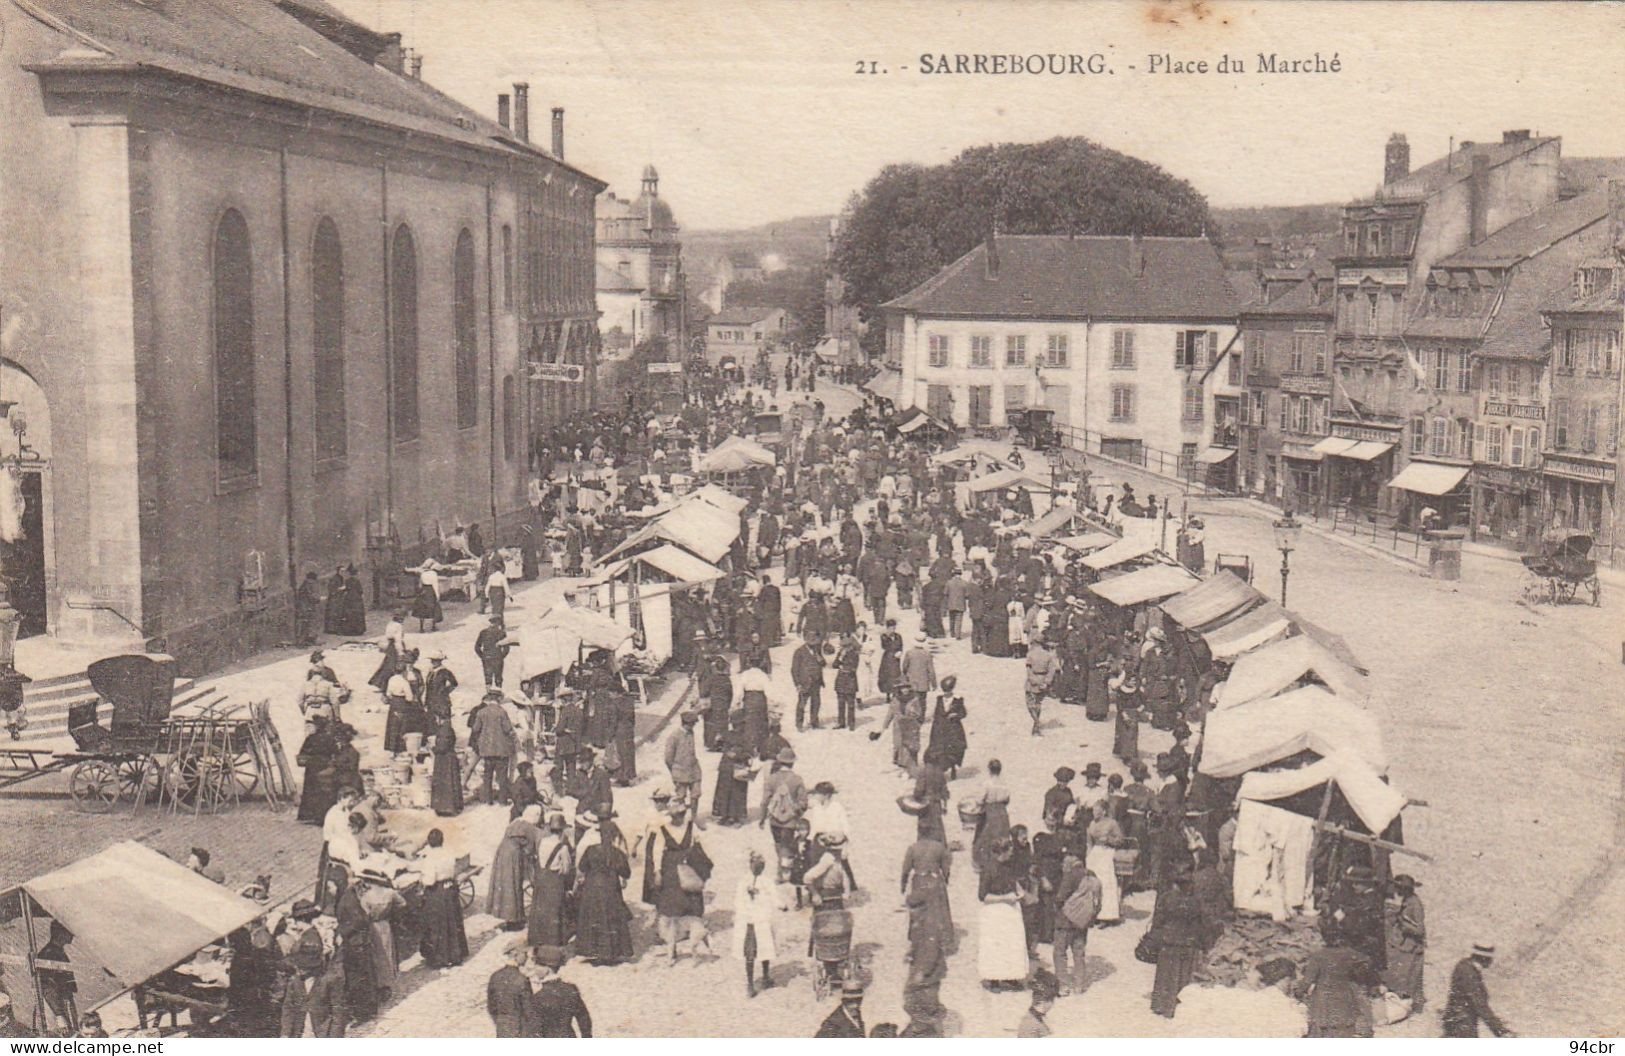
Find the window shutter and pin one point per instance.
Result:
(1179, 349)
(1478, 441)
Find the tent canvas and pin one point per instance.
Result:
(1006, 478)
(680, 565)
(698, 527)
(1090, 541)
(970, 451)
(1246, 737)
(543, 650)
(1266, 671)
(725, 460)
(1263, 623)
(1144, 584)
(887, 385)
(915, 418)
(1213, 598)
(135, 913)
(1333, 643)
(1125, 549)
(592, 628)
(1376, 802)
(1058, 517)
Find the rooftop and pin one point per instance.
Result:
(1456, 166)
(739, 316)
(1535, 233)
(1058, 276)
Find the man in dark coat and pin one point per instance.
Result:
(807, 673)
(508, 995)
(437, 687)
(769, 612)
(847, 1019)
(492, 738)
(492, 648)
(556, 1008)
(1469, 1000)
(307, 610)
(355, 948)
(567, 738)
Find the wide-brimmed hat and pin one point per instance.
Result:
(376, 876)
(1407, 881)
(911, 805)
(437, 654)
(832, 839)
(1483, 949)
(824, 788)
(1092, 770)
(1156, 634)
(661, 794)
(550, 956)
(1064, 774)
(305, 909)
(787, 755)
(690, 718)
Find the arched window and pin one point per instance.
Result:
(507, 266)
(327, 340)
(234, 425)
(509, 409)
(465, 333)
(403, 337)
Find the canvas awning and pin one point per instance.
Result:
(735, 453)
(915, 418)
(970, 451)
(1090, 541)
(1006, 478)
(888, 385)
(1144, 584)
(1123, 550)
(680, 565)
(1333, 445)
(135, 913)
(594, 629)
(1429, 478)
(1212, 456)
(1258, 625)
(1058, 517)
(1266, 731)
(827, 349)
(1366, 450)
(1300, 452)
(1376, 802)
(698, 527)
(1266, 671)
(1215, 597)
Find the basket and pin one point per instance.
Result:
(970, 814)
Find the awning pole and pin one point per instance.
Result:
(33, 968)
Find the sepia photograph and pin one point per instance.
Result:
(750, 519)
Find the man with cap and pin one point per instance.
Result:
(492, 646)
(303, 957)
(784, 800)
(1469, 1000)
(490, 734)
(683, 761)
(1407, 941)
(1042, 665)
(555, 1009)
(508, 994)
(847, 1019)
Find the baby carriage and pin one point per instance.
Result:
(830, 941)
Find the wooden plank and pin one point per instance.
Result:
(1373, 841)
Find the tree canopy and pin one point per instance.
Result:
(799, 291)
(912, 220)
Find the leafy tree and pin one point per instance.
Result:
(799, 291)
(912, 220)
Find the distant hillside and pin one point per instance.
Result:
(1277, 221)
(797, 241)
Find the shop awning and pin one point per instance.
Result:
(1429, 478)
(915, 418)
(1119, 552)
(1301, 453)
(1082, 543)
(1266, 671)
(1145, 584)
(1058, 517)
(1248, 631)
(1266, 731)
(1006, 478)
(680, 565)
(1333, 445)
(592, 628)
(888, 385)
(971, 451)
(1212, 456)
(135, 913)
(1366, 450)
(1217, 596)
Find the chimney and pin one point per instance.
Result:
(558, 132)
(393, 57)
(1478, 199)
(417, 66)
(992, 256)
(1616, 215)
(521, 111)
(1136, 256)
(1396, 160)
(1515, 135)
(503, 113)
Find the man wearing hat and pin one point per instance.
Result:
(556, 1009)
(1407, 941)
(807, 673)
(1059, 798)
(784, 800)
(304, 957)
(437, 687)
(1042, 666)
(1093, 792)
(508, 994)
(1469, 999)
(492, 646)
(847, 1019)
(567, 733)
(919, 672)
(490, 734)
(683, 760)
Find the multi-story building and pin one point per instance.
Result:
(263, 312)
(1119, 336)
(742, 332)
(638, 243)
(1382, 394)
(843, 326)
(1286, 349)
(1580, 467)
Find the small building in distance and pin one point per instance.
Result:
(742, 333)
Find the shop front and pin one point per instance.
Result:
(1579, 495)
(1506, 506)
(1439, 487)
(1358, 462)
(1301, 478)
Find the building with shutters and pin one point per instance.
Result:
(269, 298)
(640, 252)
(1123, 338)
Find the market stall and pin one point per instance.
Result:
(1270, 669)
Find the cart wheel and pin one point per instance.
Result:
(94, 785)
(465, 892)
(239, 768)
(134, 775)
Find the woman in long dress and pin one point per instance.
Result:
(891, 658)
(1001, 935)
(603, 923)
(758, 901)
(552, 910)
(513, 864)
(1105, 836)
(1016, 626)
(946, 747)
(380, 899)
(445, 941)
(993, 823)
(426, 606)
(446, 790)
(352, 614)
(1177, 928)
(1126, 734)
(393, 644)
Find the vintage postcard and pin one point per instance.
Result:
(716, 519)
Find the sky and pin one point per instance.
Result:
(754, 112)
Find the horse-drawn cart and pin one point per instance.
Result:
(1561, 570)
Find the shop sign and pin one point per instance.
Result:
(1595, 472)
(1514, 410)
(1355, 432)
(1313, 384)
(1505, 479)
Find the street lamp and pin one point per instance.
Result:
(1287, 530)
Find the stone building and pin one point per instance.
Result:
(1119, 336)
(268, 300)
(638, 246)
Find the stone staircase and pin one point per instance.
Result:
(49, 699)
